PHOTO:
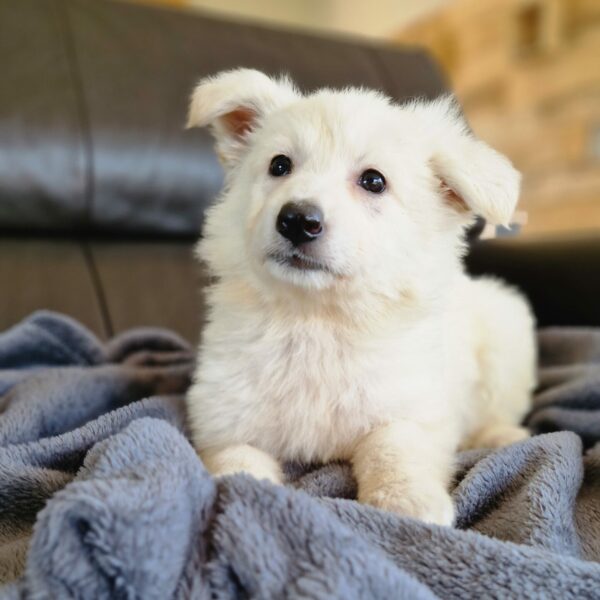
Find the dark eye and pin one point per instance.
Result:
(280, 165)
(372, 181)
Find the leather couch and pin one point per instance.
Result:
(102, 190)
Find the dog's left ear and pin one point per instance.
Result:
(233, 103)
(473, 175)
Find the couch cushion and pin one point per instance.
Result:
(155, 283)
(51, 274)
(108, 286)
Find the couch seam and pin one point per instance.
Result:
(88, 256)
(82, 112)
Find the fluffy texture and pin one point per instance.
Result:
(369, 344)
(116, 503)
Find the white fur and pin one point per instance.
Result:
(389, 355)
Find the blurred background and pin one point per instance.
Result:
(527, 73)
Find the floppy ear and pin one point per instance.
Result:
(473, 175)
(233, 103)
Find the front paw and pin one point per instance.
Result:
(428, 502)
(242, 458)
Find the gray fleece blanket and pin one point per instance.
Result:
(102, 496)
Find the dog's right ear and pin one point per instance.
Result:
(472, 175)
(233, 103)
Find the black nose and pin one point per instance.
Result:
(300, 223)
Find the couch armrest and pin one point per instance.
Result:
(559, 274)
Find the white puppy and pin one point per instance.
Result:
(341, 322)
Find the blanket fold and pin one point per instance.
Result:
(102, 495)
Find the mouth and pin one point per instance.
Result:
(298, 261)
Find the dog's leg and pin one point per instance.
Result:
(496, 435)
(405, 468)
(241, 458)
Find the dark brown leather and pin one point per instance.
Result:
(54, 274)
(155, 283)
(43, 167)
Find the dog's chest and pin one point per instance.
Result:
(307, 390)
(312, 387)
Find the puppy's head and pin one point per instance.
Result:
(343, 190)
